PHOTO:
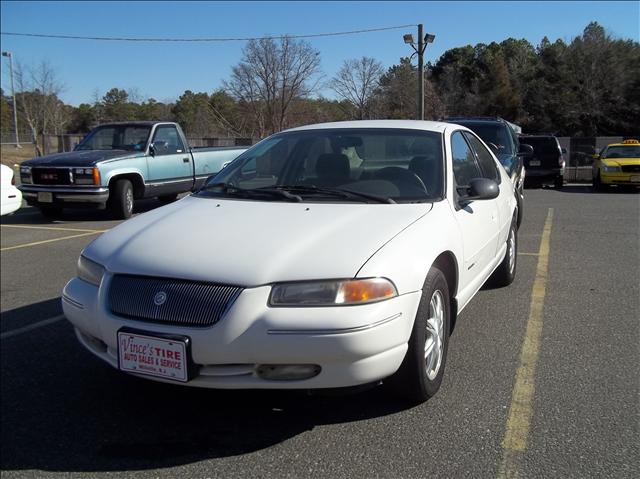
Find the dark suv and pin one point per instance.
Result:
(546, 164)
(502, 137)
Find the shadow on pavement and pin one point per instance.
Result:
(64, 410)
(31, 215)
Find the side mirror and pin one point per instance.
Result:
(479, 189)
(563, 151)
(152, 149)
(525, 150)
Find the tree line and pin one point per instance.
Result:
(588, 87)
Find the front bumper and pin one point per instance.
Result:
(353, 345)
(620, 178)
(64, 194)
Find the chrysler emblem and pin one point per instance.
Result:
(160, 298)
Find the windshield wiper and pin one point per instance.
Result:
(229, 189)
(339, 192)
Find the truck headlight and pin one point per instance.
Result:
(87, 176)
(25, 174)
(89, 271)
(332, 293)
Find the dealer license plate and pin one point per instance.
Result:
(534, 163)
(635, 179)
(153, 356)
(45, 197)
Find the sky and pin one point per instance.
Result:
(165, 70)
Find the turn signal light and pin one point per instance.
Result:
(96, 177)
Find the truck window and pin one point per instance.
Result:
(166, 140)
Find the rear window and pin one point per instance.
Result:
(543, 145)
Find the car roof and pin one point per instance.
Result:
(436, 126)
(626, 143)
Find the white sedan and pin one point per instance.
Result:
(11, 196)
(325, 256)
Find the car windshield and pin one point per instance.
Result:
(116, 137)
(365, 165)
(496, 134)
(622, 152)
(542, 145)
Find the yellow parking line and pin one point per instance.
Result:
(52, 228)
(36, 243)
(528, 254)
(519, 420)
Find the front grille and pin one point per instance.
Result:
(630, 168)
(170, 301)
(51, 176)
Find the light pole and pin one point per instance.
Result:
(423, 41)
(13, 95)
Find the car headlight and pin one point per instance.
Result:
(90, 271)
(611, 169)
(332, 293)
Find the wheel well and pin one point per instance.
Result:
(136, 181)
(447, 263)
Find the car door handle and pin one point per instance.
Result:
(185, 160)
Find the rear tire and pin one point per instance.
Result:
(559, 182)
(121, 199)
(506, 272)
(420, 375)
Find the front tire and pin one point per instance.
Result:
(121, 199)
(420, 375)
(506, 272)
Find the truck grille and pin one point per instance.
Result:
(631, 168)
(170, 301)
(51, 176)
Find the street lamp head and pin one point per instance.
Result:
(6, 54)
(429, 38)
(408, 38)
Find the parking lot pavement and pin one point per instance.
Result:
(65, 413)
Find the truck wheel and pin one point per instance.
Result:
(506, 272)
(50, 212)
(166, 199)
(422, 369)
(121, 199)
(559, 181)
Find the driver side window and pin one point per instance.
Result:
(465, 167)
(166, 141)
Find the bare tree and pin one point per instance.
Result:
(41, 108)
(356, 82)
(272, 74)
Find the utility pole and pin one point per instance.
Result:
(13, 95)
(423, 41)
(421, 47)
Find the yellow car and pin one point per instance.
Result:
(617, 164)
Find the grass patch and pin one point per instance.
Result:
(10, 155)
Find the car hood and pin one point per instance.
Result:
(249, 243)
(80, 158)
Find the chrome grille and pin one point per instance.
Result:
(170, 301)
(631, 168)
